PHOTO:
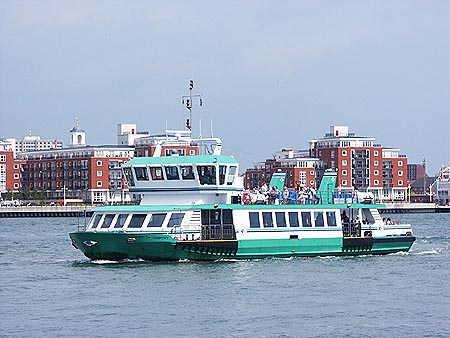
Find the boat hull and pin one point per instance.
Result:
(163, 247)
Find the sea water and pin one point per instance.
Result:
(49, 289)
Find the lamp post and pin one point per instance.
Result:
(64, 195)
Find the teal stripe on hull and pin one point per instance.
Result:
(289, 247)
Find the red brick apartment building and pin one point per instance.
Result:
(362, 164)
(300, 169)
(9, 169)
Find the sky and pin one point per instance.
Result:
(273, 74)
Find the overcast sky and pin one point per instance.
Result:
(274, 74)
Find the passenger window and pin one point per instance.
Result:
(331, 218)
(95, 220)
(293, 219)
(121, 221)
(156, 173)
(172, 173)
(267, 219)
(107, 221)
(207, 174)
(141, 173)
(187, 172)
(136, 221)
(306, 219)
(156, 220)
(128, 176)
(175, 219)
(281, 219)
(254, 219)
(318, 219)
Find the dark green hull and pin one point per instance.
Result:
(163, 247)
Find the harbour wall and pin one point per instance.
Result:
(45, 211)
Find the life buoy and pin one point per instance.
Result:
(246, 198)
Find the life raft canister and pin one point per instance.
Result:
(246, 198)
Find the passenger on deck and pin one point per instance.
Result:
(273, 195)
(345, 218)
(285, 195)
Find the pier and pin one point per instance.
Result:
(46, 211)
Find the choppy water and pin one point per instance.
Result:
(48, 289)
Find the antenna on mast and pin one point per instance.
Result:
(188, 99)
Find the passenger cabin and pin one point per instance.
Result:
(203, 179)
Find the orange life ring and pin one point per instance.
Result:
(246, 198)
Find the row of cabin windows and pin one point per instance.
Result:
(206, 174)
(135, 221)
(293, 219)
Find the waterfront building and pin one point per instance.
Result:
(416, 171)
(301, 170)
(9, 168)
(127, 134)
(88, 173)
(33, 142)
(363, 164)
(442, 186)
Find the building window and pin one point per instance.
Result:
(400, 182)
(400, 173)
(192, 152)
(311, 172)
(344, 152)
(333, 164)
(99, 183)
(376, 182)
(99, 163)
(16, 185)
(2, 158)
(376, 172)
(375, 162)
(344, 182)
(375, 153)
(344, 162)
(16, 176)
(99, 173)
(344, 172)
(16, 166)
(400, 163)
(333, 154)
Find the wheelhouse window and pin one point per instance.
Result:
(293, 219)
(306, 219)
(121, 219)
(107, 221)
(172, 173)
(156, 173)
(156, 220)
(331, 218)
(187, 172)
(95, 220)
(128, 176)
(207, 174)
(175, 219)
(141, 173)
(222, 173)
(318, 219)
(281, 219)
(267, 219)
(254, 219)
(231, 175)
(136, 221)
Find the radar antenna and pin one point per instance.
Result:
(188, 100)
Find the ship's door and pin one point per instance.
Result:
(217, 224)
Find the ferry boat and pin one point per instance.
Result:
(195, 208)
(192, 208)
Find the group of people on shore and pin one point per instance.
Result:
(272, 195)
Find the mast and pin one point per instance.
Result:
(188, 99)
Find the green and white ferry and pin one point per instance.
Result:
(191, 209)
